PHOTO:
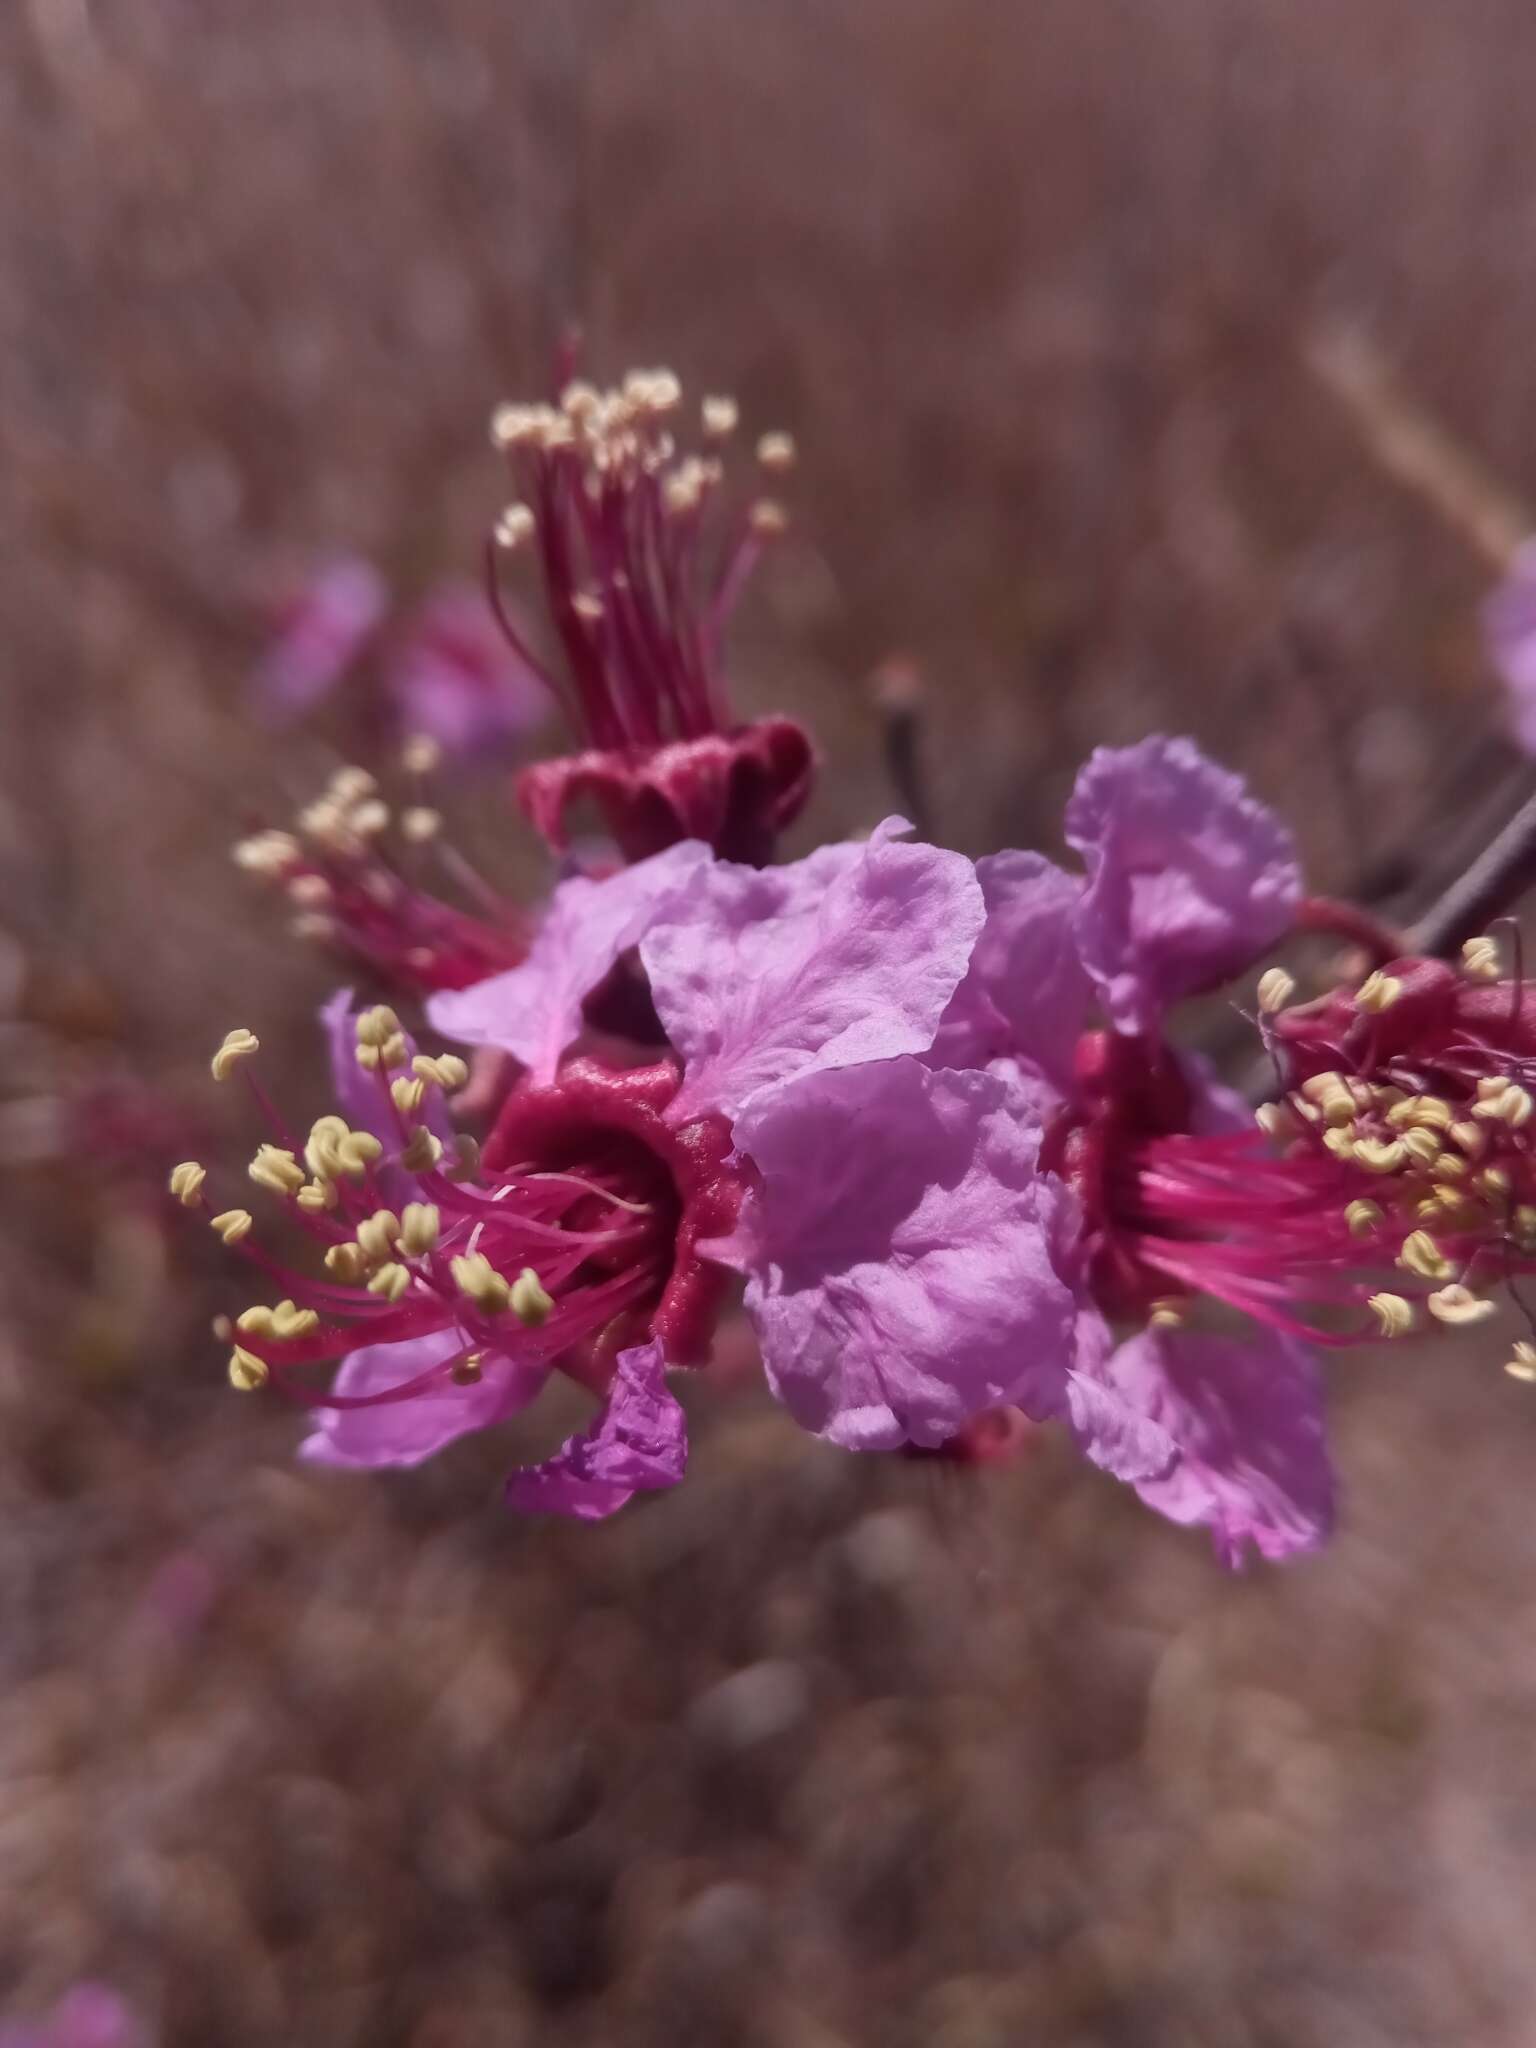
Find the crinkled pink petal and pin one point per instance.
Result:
(1509, 632)
(638, 1443)
(1189, 877)
(457, 680)
(904, 1258)
(534, 1010)
(1220, 1430)
(1025, 993)
(849, 956)
(323, 634)
(408, 1431)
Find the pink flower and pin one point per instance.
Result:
(641, 564)
(323, 633)
(1509, 633)
(455, 681)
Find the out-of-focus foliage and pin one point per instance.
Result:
(816, 1753)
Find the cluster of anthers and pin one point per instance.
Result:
(350, 884)
(417, 1238)
(1402, 1148)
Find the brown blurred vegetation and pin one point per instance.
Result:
(813, 1753)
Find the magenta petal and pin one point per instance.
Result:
(534, 1010)
(638, 1443)
(905, 1259)
(457, 680)
(1243, 1419)
(1509, 631)
(408, 1431)
(1189, 877)
(323, 634)
(1025, 994)
(849, 956)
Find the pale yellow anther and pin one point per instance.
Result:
(423, 1151)
(257, 1322)
(377, 1026)
(1168, 1314)
(1422, 1147)
(276, 1169)
(391, 1280)
(1380, 1155)
(1421, 1255)
(1341, 1107)
(187, 1182)
(395, 1051)
(356, 1152)
(1461, 1212)
(421, 754)
(719, 417)
(223, 1329)
(475, 1276)
(468, 1372)
(314, 930)
(588, 606)
(419, 1227)
(1276, 988)
(351, 785)
(268, 853)
(1318, 1087)
(247, 1372)
(1480, 959)
(1491, 1086)
(347, 1263)
(1522, 1366)
(1493, 1181)
(768, 519)
(514, 528)
(1421, 1113)
(378, 1232)
(310, 892)
(321, 1153)
(1276, 1121)
(1525, 1226)
(1393, 1314)
(1451, 1166)
(1459, 1306)
(1362, 1217)
(290, 1321)
(776, 452)
(238, 1045)
(1471, 1137)
(406, 1095)
(369, 819)
(419, 824)
(1515, 1107)
(445, 1068)
(466, 1158)
(1378, 992)
(530, 1301)
(1340, 1141)
(233, 1224)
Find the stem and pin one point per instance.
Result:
(1494, 880)
(1349, 921)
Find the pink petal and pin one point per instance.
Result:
(1220, 1430)
(1025, 994)
(323, 634)
(637, 1443)
(1509, 631)
(534, 1010)
(1189, 877)
(849, 956)
(408, 1431)
(456, 679)
(906, 1262)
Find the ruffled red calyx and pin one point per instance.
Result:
(600, 1118)
(736, 791)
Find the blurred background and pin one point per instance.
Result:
(815, 1752)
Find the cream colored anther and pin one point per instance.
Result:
(1421, 1113)
(1420, 1254)
(1459, 1306)
(423, 1151)
(247, 1372)
(530, 1301)
(356, 1152)
(420, 1224)
(475, 1276)
(1480, 959)
(719, 417)
(1378, 992)
(187, 1182)
(419, 824)
(1362, 1217)
(1392, 1313)
(347, 1262)
(377, 1026)
(276, 1169)
(391, 1280)
(776, 452)
(233, 1225)
(446, 1069)
(1380, 1155)
(238, 1045)
(406, 1095)
(1423, 1147)
(1276, 988)
(1522, 1366)
(378, 1233)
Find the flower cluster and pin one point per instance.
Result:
(926, 1112)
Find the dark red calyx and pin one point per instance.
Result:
(607, 1123)
(735, 790)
